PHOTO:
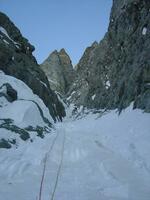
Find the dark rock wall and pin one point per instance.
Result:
(116, 72)
(16, 59)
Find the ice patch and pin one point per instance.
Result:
(93, 97)
(4, 32)
(144, 31)
(73, 93)
(54, 82)
(43, 83)
(7, 35)
(107, 84)
(6, 42)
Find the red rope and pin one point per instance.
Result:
(44, 168)
(43, 176)
(59, 169)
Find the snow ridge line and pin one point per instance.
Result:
(44, 168)
(59, 169)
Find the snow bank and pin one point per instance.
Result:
(23, 113)
(25, 117)
(24, 93)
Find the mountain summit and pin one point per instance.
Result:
(59, 70)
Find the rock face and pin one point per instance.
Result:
(59, 70)
(16, 59)
(116, 72)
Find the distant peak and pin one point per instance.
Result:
(61, 55)
(54, 52)
(62, 51)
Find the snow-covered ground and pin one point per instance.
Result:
(92, 158)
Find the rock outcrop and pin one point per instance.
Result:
(59, 70)
(16, 59)
(116, 72)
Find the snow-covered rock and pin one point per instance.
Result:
(22, 115)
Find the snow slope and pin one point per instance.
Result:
(92, 158)
(27, 113)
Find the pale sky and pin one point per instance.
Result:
(56, 24)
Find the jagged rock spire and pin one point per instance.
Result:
(59, 70)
